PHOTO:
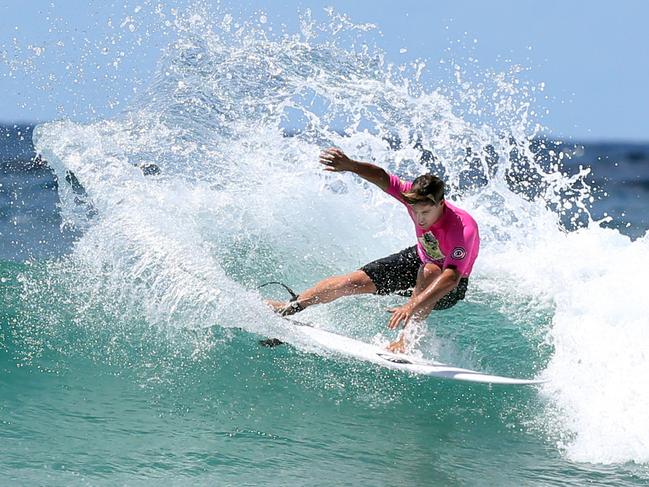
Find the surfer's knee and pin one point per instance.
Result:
(360, 281)
(426, 275)
(429, 272)
(353, 279)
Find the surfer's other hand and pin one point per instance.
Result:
(335, 160)
(397, 346)
(400, 315)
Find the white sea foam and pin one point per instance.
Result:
(601, 362)
(237, 203)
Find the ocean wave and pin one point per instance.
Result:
(237, 203)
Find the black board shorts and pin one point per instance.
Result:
(397, 274)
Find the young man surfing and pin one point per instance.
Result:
(436, 270)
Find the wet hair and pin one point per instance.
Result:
(425, 189)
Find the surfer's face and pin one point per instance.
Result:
(427, 213)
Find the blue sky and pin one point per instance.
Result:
(590, 55)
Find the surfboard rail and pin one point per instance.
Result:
(351, 347)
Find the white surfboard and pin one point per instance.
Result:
(375, 354)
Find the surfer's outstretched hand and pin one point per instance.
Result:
(401, 315)
(335, 160)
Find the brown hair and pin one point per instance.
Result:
(425, 189)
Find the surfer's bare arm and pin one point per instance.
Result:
(335, 160)
(426, 300)
(423, 303)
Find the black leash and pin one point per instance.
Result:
(294, 296)
(274, 342)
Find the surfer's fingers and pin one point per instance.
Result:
(335, 153)
(327, 161)
(390, 324)
(397, 318)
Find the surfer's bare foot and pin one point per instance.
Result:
(285, 309)
(277, 306)
(397, 346)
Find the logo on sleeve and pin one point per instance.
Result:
(458, 253)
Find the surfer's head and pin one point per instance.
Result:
(425, 189)
(426, 197)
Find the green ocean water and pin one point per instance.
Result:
(83, 404)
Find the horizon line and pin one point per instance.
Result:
(589, 139)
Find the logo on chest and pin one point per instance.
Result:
(431, 246)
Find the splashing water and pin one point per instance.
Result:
(235, 118)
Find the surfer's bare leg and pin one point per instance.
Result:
(327, 290)
(335, 287)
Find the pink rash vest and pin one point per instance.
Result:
(452, 241)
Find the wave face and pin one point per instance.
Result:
(234, 119)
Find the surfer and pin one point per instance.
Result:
(435, 272)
